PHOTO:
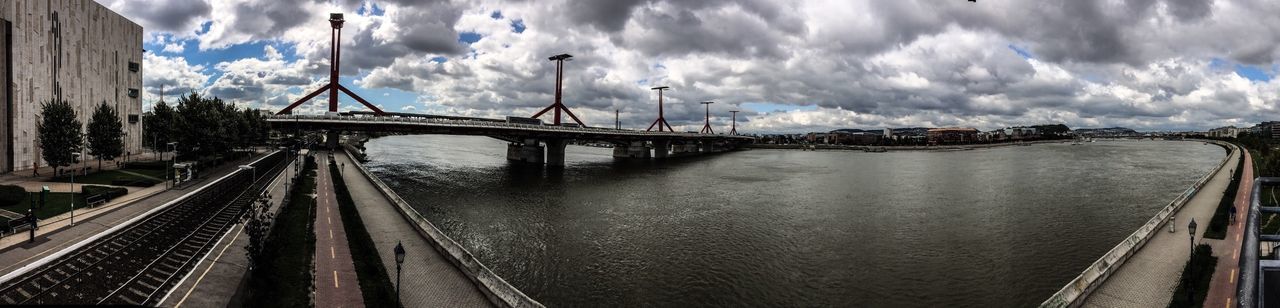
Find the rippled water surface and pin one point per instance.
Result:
(1003, 227)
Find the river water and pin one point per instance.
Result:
(1001, 227)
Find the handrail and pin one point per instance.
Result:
(1248, 276)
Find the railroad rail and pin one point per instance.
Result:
(136, 264)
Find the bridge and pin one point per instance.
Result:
(528, 143)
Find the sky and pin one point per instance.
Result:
(788, 65)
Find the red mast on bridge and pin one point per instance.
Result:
(558, 106)
(335, 55)
(706, 128)
(733, 130)
(660, 122)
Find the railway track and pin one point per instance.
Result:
(138, 263)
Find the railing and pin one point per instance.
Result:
(1079, 288)
(492, 124)
(1249, 290)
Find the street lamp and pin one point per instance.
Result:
(399, 260)
(72, 190)
(1191, 231)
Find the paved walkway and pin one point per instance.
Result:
(336, 283)
(1222, 289)
(217, 279)
(428, 279)
(1150, 276)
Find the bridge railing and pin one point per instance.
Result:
(495, 124)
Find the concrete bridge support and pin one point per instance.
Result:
(331, 139)
(631, 150)
(684, 150)
(555, 152)
(528, 151)
(661, 149)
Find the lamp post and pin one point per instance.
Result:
(399, 260)
(72, 190)
(1191, 231)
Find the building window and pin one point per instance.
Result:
(133, 118)
(134, 66)
(133, 93)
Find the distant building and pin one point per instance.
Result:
(952, 135)
(888, 133)
(1268, 129)
(1224, 132)
(76, 50)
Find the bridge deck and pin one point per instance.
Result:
(428, 279)
(486, 128)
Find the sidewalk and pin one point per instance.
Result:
(1149, 277)
(336, 284)
(427, 278)
(47, 172)
(1222, 289)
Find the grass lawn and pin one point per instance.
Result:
(58, 203)
(1205, 263)
(106, 177)
(283, 277)
(375, 283)
(1218, 224)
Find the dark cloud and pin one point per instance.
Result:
(175, 16)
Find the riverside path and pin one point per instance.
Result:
(428, 278)
(1149, 277)
(1222, 289)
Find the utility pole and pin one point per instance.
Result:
(660, 122)
(617, 124)
(733, 130)
(706, 127)
(558, 106)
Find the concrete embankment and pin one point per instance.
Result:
(459, 261)
(1141, 270)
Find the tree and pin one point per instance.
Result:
(158, 126)
(59, 133)
(258, 227)
(105, 134)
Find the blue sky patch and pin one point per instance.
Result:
(1254, 73)
(1021, 52)
(517, 26)
(469, 37)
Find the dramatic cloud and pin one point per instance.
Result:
(816, 65)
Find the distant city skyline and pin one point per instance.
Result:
(791, 66)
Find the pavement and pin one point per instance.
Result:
(336, 284)
(1150, 276)
(1222, 289)
(44, 173)
(428, 279)
(217, 280)
(56, 233)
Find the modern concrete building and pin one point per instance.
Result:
(76, 50)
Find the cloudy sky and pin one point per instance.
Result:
(790, 66)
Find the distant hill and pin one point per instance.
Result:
(1106, 131)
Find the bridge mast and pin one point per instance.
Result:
(335, 55)
(706, 128)
(660, 122)
(733, 130)
(558, 106)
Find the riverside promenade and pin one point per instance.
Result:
(1150, 276)
(1222, 289)
(428, 278)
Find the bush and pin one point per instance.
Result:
(1218, 224)
(11, 194)
(1198, 284)
(147, 165)
(104, 193)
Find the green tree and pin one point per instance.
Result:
(106, 140)
(59, 133)
(158, 126)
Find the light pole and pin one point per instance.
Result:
(1191, 230)
(72, 190)
(399, 260)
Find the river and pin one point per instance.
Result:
(999, 227)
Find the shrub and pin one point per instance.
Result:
(11, 194)
(104, 193)
(146, 165)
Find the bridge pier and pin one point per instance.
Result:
(635, 149)
(555, 152)
(529, 151)
(331, 139)
(661, 149)
(684, 150)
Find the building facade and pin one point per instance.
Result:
(952, 135)
(1224, 132)
(75, 50)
